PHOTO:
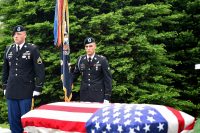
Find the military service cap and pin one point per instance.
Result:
(18, 28)
(89, 40)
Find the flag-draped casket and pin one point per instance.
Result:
(62, 117)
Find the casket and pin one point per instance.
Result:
(80, 117)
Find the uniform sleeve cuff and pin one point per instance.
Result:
(4, 86)
(38, 88)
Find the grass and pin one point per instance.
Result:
(4, 125)
(197, 126)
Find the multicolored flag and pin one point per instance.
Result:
(82, 117)
(61, 39)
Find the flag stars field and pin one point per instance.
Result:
(138, 113)
(116, 114)
(132, 130)
(140, 108)
(116, 110)
(127, 110)
(105, 120)
(160, 127)
(127, 115)
(105, 113)
(151, 119)
(108, 127)
(137, 128)
(151, 112)
(95, 118)
(137, 119)
(128, 122)
(116, 121)
(120, 128)
(97, 125)
(146, 128)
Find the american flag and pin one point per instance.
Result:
(62, 117)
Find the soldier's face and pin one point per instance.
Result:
(90, 48)
(19, 37)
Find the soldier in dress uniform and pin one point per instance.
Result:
(23, 77)
(96, 84)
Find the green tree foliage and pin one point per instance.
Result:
(152, 46)
(185, 48)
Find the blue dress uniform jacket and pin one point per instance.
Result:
(23, 71)
(96, 84)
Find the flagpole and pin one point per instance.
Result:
(32, 103)
(66, 52)
(61, 39)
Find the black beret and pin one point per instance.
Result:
(18, 28)
(89, 40)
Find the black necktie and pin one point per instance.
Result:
(18, 48)
(89, 61)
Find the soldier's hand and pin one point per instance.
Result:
(36, 93)
(4, 92)
(4, 89)
(105, 101)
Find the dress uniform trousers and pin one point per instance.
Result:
(17, 108)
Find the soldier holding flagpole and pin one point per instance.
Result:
(96, 84)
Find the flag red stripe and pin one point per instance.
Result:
(68, 108)
(180, 119)
(191, 126)
(69, 126)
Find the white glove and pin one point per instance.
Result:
(4, 92)
(105, 101)
(36, 93)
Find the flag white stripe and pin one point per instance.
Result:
(59, 115)
(34, 129)
(187, 118)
